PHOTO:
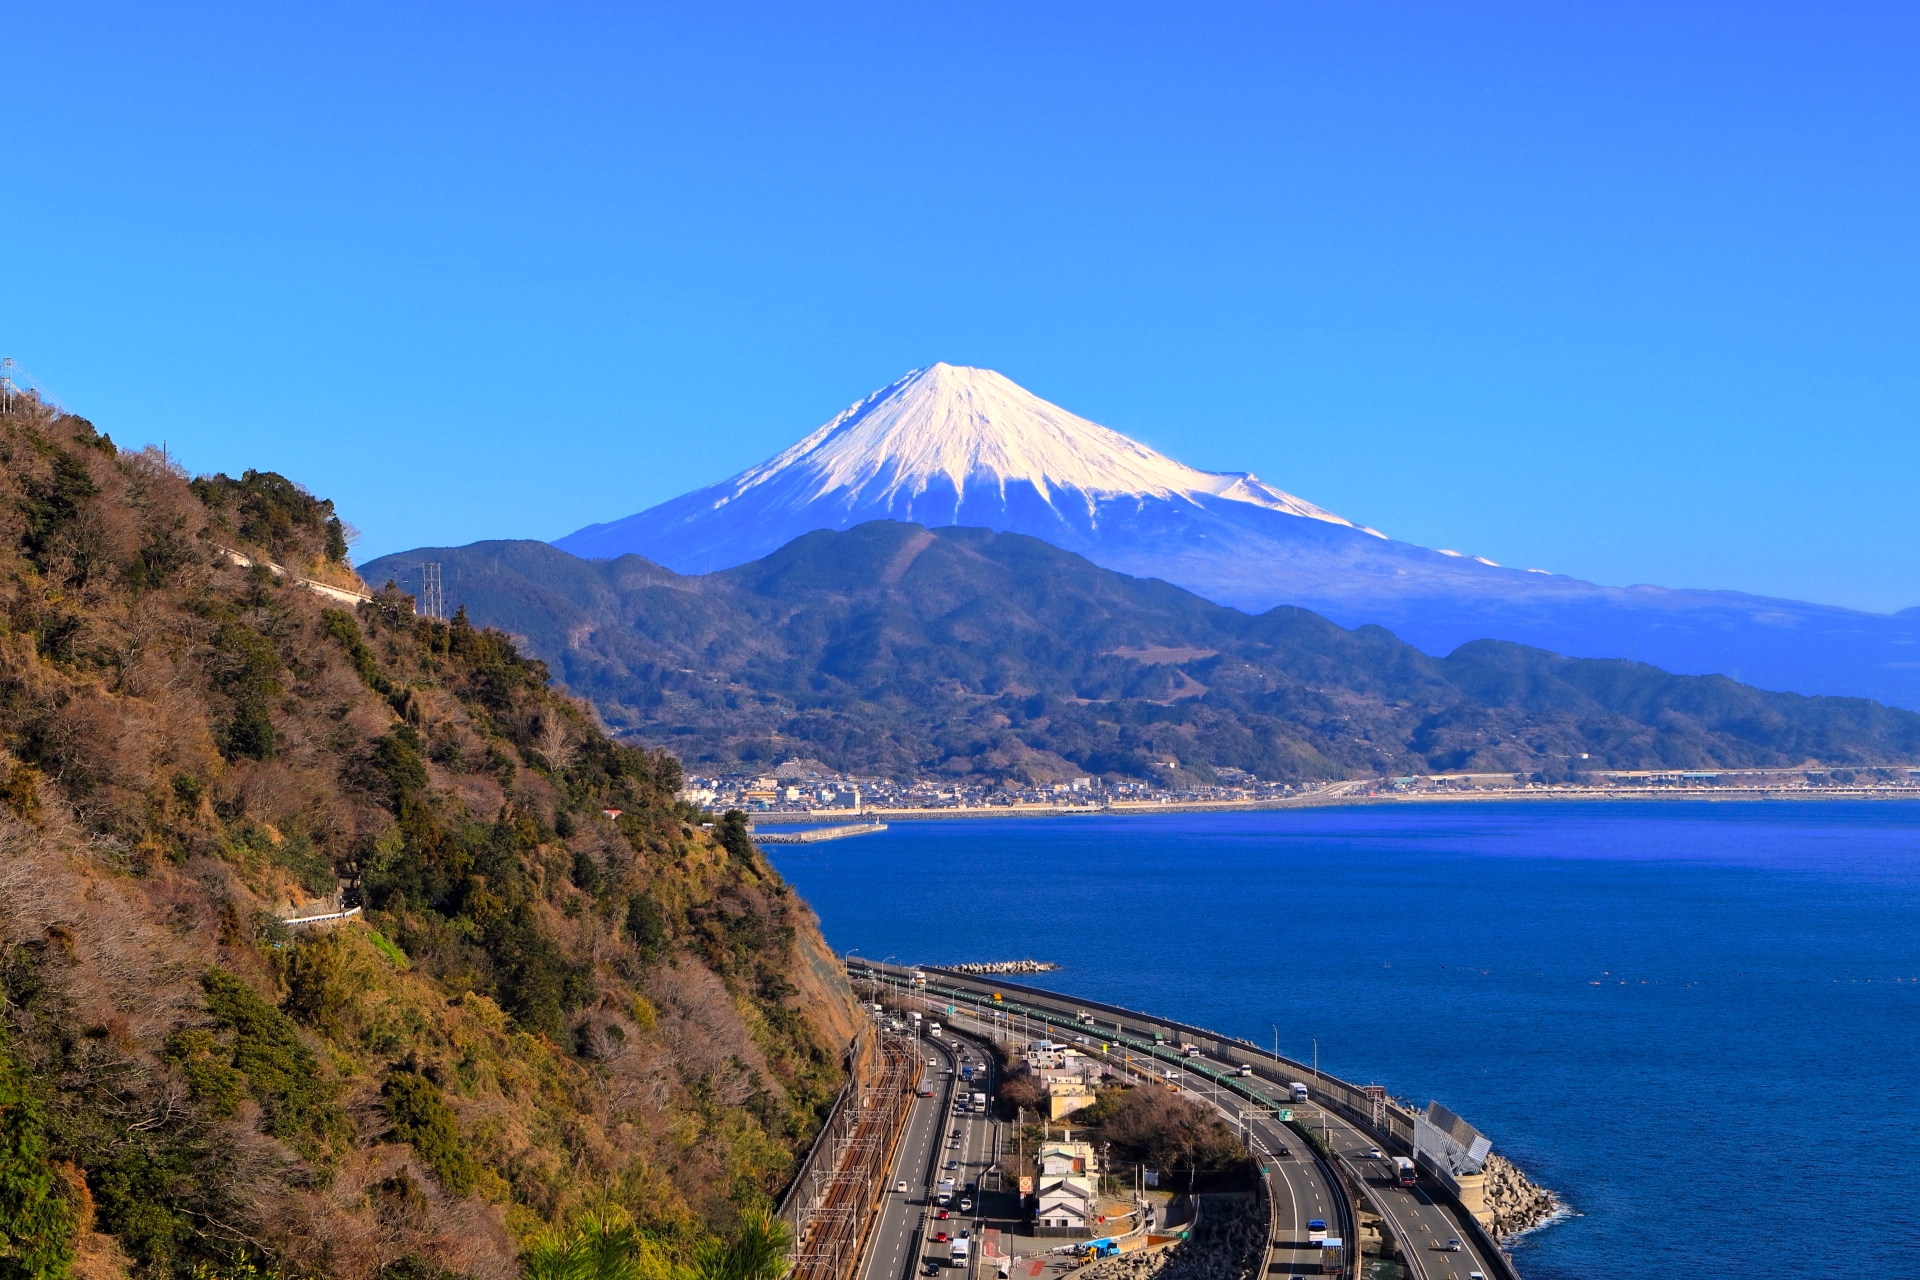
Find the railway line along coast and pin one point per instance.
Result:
(1351, 1176)
(832, 1204)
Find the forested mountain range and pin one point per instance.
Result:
(899, 649)
(564, 994)
(953, 446)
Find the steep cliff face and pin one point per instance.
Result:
(562, 988)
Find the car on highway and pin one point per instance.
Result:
(901, 1187)
(939, 1237)
(1374, 1153)
(966, 1204)
(932, 1268)
(1476, 1275)
(956, 1133)
(1453, 1246)
(943, 1215)
(953, 1164)
(1283, 1151)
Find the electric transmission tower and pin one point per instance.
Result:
(433, 601)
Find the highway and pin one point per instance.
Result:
(1302, 1188)
(938, 1143)
(1424, 1223)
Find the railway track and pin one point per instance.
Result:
(845, 1192)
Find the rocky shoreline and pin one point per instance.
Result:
(1227, 1244)
(1516, 1202)
(1006, 966)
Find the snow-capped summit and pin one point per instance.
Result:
(944, 445)
(920, 447)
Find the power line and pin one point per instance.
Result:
(433, 600)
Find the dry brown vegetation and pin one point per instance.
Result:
(542, 1008)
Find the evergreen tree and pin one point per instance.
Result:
(37, 1225)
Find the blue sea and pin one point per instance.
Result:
(1699, 1024)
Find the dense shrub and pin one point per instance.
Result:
(421, 1118)
(281, 1073)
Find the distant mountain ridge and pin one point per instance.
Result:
(895, 648)
(968, 447)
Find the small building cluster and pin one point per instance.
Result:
(1066, 1075)
(807, 787)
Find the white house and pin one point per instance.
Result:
(1067, 1175)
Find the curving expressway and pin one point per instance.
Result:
(1438, 1239)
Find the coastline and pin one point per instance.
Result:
(1349, 799)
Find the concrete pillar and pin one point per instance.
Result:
(1473, 1197)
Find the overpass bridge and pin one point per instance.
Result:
(1351, 1122)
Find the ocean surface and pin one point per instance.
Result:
(1699, 1024)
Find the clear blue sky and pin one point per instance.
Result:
(1629, 291)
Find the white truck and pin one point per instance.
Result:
(933, 1028)
(1299, 1091)
(979, 1100)
(944, 1194)
(959, 1249)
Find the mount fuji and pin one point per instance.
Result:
(947, 445)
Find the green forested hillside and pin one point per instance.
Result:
(898, 649)
(564, 994)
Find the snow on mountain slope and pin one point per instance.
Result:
(941, 430)
(943, 445)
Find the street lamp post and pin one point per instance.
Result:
(1326, 1125)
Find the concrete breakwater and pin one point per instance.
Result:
(819, 833)
(1515, 1202)
(1006, 966)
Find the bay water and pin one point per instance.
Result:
(1697, 1023)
